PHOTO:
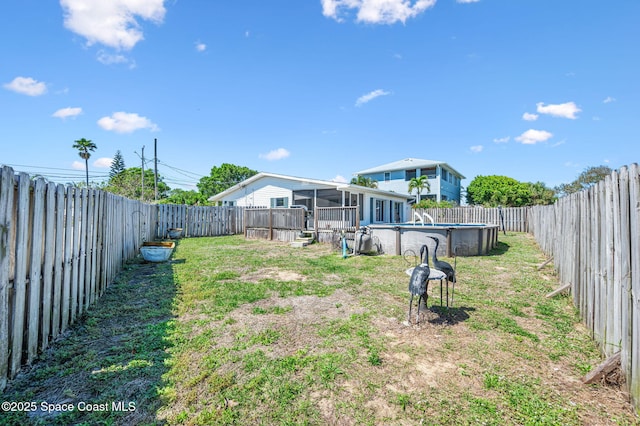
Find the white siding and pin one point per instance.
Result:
(261, 192)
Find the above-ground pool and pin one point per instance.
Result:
(460, 239)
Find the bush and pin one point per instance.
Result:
(432, 204)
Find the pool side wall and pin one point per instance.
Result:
(467, 240)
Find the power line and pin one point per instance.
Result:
(182, 172)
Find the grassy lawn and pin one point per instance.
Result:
(256, 332)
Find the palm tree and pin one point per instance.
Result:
(364, 181)
(419, 183)
(84, 146)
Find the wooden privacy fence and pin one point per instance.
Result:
(61, 246)
(199, 221)
(285, 223)
(277, 223)
(516, 219)
(594, 238)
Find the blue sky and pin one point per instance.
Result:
(537, 90)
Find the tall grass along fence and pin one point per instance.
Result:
(594, 238)
(515, 219)
(61, 246)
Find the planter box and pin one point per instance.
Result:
(175, 233)
(157, 251)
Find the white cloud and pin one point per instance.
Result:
(103, 163)
(376, 11)
(370, 96)
(123, 122)
(201, 47)
(502, 140)
(67, 112)
(467, 1)
(527, 116)
(532, 137)
(112, 23)
(78, 165)
(340, 179)
(276, 154)
(609, 99)
(476, 148)
(566, 110)
(27, 86)
(110, 58)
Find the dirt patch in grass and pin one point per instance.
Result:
(273, 274)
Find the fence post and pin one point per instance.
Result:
(6, 224)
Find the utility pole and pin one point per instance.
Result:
(155, 165)
(142, 176)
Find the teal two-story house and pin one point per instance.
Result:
(444, 180)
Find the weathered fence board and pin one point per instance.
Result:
(6, 224)
(35, 268)
(624, 271)
(20, 276)
(47, 267)
(634, 224)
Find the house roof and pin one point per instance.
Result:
(408, 163)
(312, 182)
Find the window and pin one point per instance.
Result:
(304, 197)
(445, 175)
(387, 176)
(379, 210)
(279, 202)
(397, 212)
(430, 173)
(409, 174)
(353, 199)
(329, 198)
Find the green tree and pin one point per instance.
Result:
(493, 191)
(541, 195)
(364, 181)
(589, 177)
(117, 165)
(420, 183)
(128, 183)
(85, 147)
(222, 178)
(181, 196)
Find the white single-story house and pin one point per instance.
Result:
(272, 190)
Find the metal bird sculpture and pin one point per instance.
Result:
(445, 267)
(419, 281)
